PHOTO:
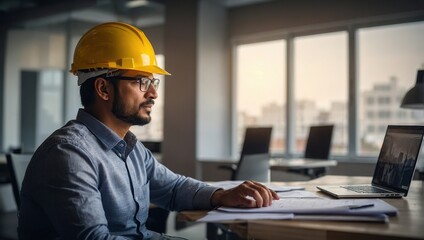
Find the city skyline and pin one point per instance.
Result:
(374, 116)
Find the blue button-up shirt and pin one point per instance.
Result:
(85, 182)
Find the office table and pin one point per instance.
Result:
(282, 164)
(300, 163)
(310, 167)
(408, 224)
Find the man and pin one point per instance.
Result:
(92, 179)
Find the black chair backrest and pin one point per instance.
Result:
(256, 140)
(319, 142)
(254, 157)
(17, 165)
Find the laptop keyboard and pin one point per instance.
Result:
(365, 189)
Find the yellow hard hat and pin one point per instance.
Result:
(115, 45)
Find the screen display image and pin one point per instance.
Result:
(398, 156)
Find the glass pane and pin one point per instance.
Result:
(50, 104)
(389, 57)
(321, 87)
(154, 130)
(261, 89)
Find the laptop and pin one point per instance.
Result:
(395, 166)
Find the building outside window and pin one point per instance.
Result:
(388, 60)
(261, 89)
(321, 87)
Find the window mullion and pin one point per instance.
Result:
(290, 110)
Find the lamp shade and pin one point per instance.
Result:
(414, 98)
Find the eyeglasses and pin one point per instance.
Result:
(144, 82)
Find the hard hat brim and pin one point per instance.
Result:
(153, 69)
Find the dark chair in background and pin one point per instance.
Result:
(254, 157)
(17, 164)
(318, 146)
(12, 172)
(253, 164)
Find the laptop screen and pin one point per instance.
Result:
(398, 156)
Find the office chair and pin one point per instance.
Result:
(252, 165)
(318, 146)
(254, 157)
(17, 164)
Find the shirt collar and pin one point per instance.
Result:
(106, 136)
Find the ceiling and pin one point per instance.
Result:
(24, 13)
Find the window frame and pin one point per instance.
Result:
(351, 27)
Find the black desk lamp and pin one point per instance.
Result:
(414, 98)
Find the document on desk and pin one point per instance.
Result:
(277, 188)
(321, 206)
(297, 194)
(217, 216)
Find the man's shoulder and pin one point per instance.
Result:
(68, 142)
(73, 133)
(73, 130)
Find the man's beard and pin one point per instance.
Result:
(118, 109)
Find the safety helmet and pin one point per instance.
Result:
(114, 45)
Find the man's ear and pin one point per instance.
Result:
(102, 88)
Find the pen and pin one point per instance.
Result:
(361, 206)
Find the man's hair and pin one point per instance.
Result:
(87, 92)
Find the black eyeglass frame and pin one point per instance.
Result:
(142, 81)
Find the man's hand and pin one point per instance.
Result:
(249, 194)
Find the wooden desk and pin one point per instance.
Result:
(408, 224)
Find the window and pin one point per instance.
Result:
(384, 100)
(321, 87)
(154, 130)
(385, 65)
(388, 59)
(261, 89)
(49, 103)
(41, 106)
(384, 115)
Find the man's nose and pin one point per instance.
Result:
(152, 92)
